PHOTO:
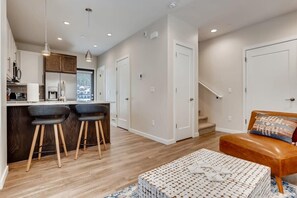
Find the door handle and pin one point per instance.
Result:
(290, 99)
(191, 99)
(126, 98)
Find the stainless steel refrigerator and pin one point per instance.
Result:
(65, 85)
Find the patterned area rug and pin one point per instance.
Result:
(290, 191)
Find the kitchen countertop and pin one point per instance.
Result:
(25, 103)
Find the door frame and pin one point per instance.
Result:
(117, 92)
(104, 81)
(192, 47)
(244, 73)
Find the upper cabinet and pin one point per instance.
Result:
(60, 63)
(31, 64)
(11, 52)
(69, 64)
(53, 63)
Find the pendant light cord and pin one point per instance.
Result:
(88, 19)
(45, 20)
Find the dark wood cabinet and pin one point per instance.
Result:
(53, 63)
(69, 64)
(60, 63)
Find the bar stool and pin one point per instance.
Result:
(88, 113)
(48, 115)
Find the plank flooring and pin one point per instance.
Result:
(128, 156)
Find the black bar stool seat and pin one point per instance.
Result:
(91, 118)
(94, 113)
(48, 115)
(47, 121)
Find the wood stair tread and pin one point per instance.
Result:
(202, 117)
(206, 125)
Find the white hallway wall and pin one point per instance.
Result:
(148, 57)
(3, 116)
(152, 58)
(221, 67)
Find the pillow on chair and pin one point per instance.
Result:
(274, 127)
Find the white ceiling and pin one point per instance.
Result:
(123, 18)
(230, 15)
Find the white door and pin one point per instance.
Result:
(123, 92)
(271, 78)
(184, 93)
(101, 83)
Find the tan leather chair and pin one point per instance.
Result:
(280, 156)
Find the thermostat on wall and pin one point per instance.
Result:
(154, 35)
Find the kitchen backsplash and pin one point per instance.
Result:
(23, 89)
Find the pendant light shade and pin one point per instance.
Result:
(88, 56)
(47, 50)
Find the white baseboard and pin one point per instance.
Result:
(228, 130)
(196, 134)
(3, 177)
(152, 137)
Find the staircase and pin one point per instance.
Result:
(205, 127)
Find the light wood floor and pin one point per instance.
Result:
(128, 156)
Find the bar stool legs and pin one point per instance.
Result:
(63, 140)
(32, 147)
(101, 131)
(79, 138)
(86, 135)
(98, 138)
(57, 145)
(41, 141)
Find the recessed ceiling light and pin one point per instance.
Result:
(95, 45)
(109, 34)
(59, 38)
(213, 30)
(172, 4)
(66, 23)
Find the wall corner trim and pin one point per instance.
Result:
(152, 137)
(196, 134)
(229, 130)
(3, 177)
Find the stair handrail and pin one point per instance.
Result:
(218, 96)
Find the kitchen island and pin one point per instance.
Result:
(20, 130)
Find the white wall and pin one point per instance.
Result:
(3, 115)
(154, 59)
(148, 57)
(221, 67)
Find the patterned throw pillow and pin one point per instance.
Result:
(274, 127)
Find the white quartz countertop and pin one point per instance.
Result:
(25, 103)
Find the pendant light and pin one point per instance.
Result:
(88, 55)
(46, 51)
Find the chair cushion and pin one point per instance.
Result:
(280, 156)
